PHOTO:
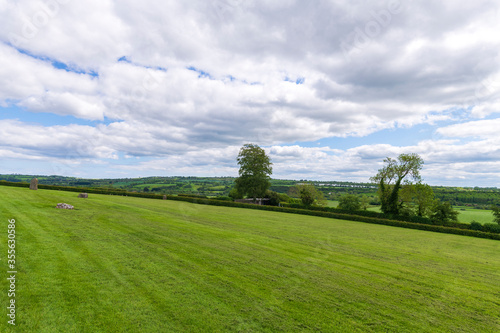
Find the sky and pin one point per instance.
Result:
(114, 89)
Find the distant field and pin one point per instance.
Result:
(122, 264)
(468, 215)
(465, 214)
(332, 203)
(141, 186)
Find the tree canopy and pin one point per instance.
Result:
(349, 202)
(443, 213)
(396, 172)
(308, 194)
(255, 171)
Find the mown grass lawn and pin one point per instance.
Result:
(120, 264)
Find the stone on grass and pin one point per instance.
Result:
(164, 197)
(83, 195)
(64, 206)
(34, 184)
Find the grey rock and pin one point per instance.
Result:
(34, 184)
(64, 206)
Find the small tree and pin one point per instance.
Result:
(349, 202)
(308, 194)
(442, 212)
(255, 171)
(234, 194)
(274, 198)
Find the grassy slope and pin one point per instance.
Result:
(119, 264)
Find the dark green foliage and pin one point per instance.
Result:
(349, 202)
(308, 195)
(442, 213)
(193, 195)
(224, 198)
(274, 198)
(235, 194)
(476, 197)
(255, 170)
(476, 226)
(491, 227)
(496, 213)
(487, 227)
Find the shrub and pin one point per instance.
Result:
(476, 226)
(349, 202)
(192, 195)
(491, 227)
(274, 198)
(223, 198)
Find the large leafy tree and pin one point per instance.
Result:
(396, 172)
(349, 202)
(420, 198)
(308, 194)
(255, 171)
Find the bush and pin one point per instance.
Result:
(189, 195)
(442, 213)
(491, 227)
(235, 194)
(349, 202)
(476, 226)
(274, 198)
(223, 198)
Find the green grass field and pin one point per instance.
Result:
(465, 214)
(468, 215)
(122, 264)
(332, 203)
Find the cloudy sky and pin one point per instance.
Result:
(111, 89)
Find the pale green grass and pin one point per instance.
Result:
(332, 203)
(121, 264)
(468, 215)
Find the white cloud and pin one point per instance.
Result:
(270, 72)
(479, 128)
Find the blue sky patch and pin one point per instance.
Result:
(58, 64)
(201, 73)
(46, 118)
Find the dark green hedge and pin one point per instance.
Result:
(14, 184)
(310, 212)
(368, 213)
